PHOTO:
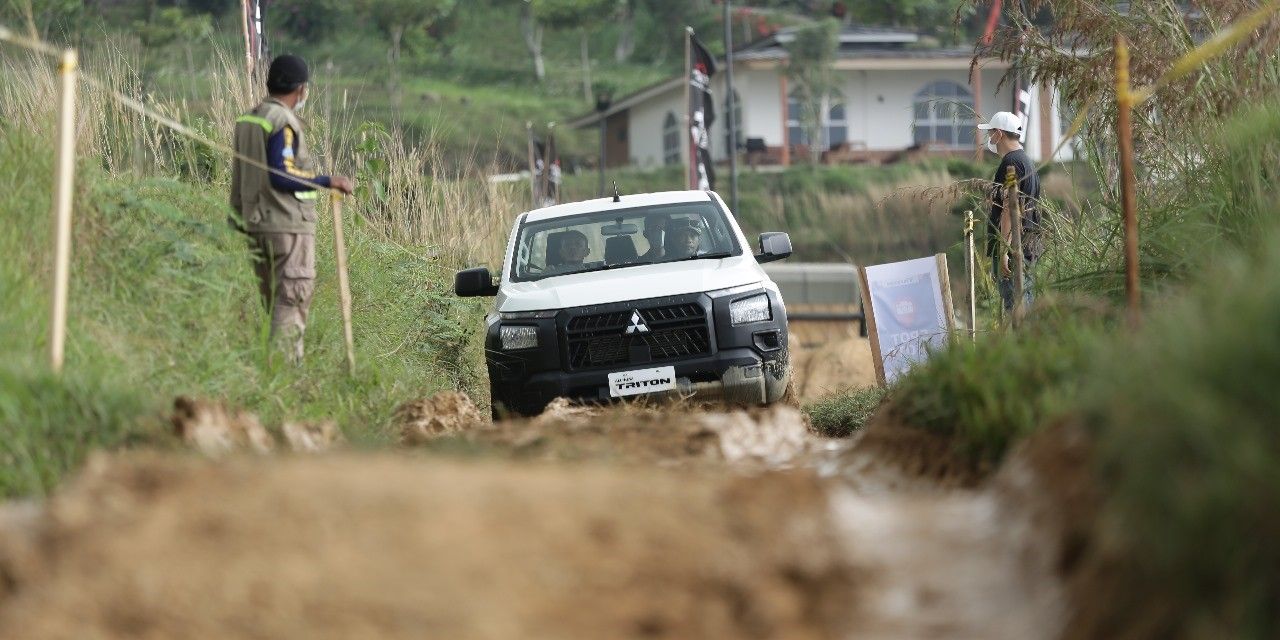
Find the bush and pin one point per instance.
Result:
(840, 414)
(990, 394)
(1185, 422)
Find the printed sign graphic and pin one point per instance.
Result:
(909, 312)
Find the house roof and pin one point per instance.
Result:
(860, 47)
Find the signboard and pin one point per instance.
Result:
(908, 307)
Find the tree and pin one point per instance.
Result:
(811, 56)
(393, 18)
(563, 15)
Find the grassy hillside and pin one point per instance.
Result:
(163, 302)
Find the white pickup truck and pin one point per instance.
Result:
(630, 295)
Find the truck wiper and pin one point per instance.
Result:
(705, 256)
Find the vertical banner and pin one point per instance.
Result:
(908, 307)
(254, 45)
(701, 114)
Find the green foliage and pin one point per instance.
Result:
(391, 16)
(840, 414)
(1184, 417)
(572, 14)
(171, 24)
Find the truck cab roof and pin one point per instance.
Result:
(599, 205)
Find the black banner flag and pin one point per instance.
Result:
(701, 114)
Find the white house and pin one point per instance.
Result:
(894, 95)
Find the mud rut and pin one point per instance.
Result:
(668, 522)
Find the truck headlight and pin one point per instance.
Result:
(753, 309)
(517, 337)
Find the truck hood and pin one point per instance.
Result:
(630, 283)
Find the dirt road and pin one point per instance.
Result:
(582, 524)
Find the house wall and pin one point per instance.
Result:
(645, 126)
(879, 110)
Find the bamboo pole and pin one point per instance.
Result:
(970, 274)
(1012, 201)
(63, 179)
(344, 285)
(1124, 133)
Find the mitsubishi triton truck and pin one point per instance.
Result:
(612, 298)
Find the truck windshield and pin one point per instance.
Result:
(622, 238)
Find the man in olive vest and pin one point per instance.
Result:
(278, 208)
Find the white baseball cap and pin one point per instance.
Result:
(1004, 121)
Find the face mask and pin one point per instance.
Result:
(991, 144)
(302, 102)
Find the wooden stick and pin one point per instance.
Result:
(344, 286)
(869, 313)
(63, 178)
(970, 270)
(944, 285)
(1129, 204)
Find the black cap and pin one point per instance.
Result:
(287, 73)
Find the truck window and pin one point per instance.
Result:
(621, 239)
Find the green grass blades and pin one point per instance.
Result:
(841, 414)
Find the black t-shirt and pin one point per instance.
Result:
(1029, 188)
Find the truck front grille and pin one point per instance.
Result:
(601, 339)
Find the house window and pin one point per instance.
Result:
(737, 121)
(834, 126)
(837, 127)
(671, 139)
(795, 133)
(944, 115)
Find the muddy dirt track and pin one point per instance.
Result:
(665, 522)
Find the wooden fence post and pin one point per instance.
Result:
(64, 176)
(344, 286)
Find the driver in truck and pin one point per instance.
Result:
(572, 252)
(685, 241)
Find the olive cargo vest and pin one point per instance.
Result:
(262, 208)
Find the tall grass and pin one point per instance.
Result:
(163, 298)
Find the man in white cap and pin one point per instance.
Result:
(1005, 140)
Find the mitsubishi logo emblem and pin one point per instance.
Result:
(637, 324)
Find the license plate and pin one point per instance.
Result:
(631, 383)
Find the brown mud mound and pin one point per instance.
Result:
(214, 430)
(887, 451)
(312, 437)
(669, 435)
(388, 547)
(442, 414)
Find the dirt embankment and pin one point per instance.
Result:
(390, 547)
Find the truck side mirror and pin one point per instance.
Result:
(474, 282)
(774, 245)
